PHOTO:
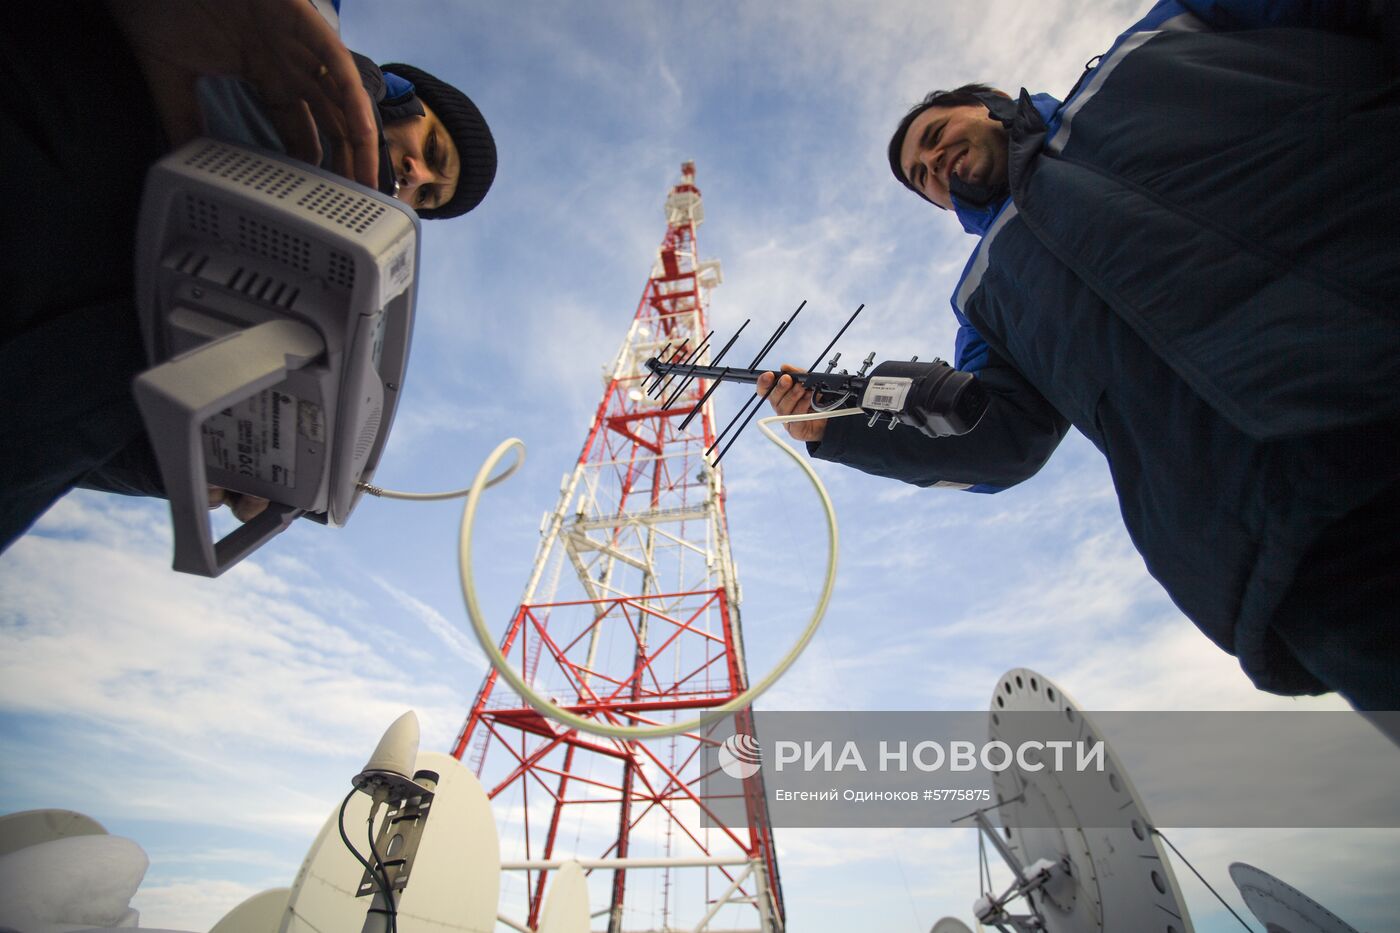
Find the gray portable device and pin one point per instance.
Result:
(276, 303)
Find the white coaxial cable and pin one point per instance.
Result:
(558, 713)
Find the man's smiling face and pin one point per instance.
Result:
(425, 159)
(944, 142)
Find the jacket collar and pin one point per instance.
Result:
(1020, 119)
(400, 100)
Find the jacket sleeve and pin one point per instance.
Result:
(1349, 16)
(133, 471)
(1013, 440)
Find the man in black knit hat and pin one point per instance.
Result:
(444, 159)
(436, 153)
(83, 115)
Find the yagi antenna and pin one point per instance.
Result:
(675, 356)
(693, 354)
(690, 359)
(714, 384)
(760, 401)
(782, 329)
(849, 322)
(933, 397)
(690, 377)
(776, 384)
(693, 361)
(777, 334)
(655, 375)
(756, 408)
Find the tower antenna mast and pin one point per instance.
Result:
(630, 615)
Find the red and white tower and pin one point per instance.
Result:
(631, 616)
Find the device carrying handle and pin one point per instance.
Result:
(175, 399)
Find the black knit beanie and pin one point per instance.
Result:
(468, 129)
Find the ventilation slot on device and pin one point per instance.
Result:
(263, 287)
(351, 211)
(342, 270)
(247, 170)
(201, 216)
(191, 263)
(274, 243)
(368, 433)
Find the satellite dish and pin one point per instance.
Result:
(950, 925)
(261, 913)
(71, 883)
(32, 827)
(456, 877)
(1282, 908)
(566, 907)
(1119, 877)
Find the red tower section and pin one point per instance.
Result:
(631, 616)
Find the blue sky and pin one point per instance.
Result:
(216, 722)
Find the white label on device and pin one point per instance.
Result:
(310, 423)
(886, 393)
(255, 438)
(398, 273)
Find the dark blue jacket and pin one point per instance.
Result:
(1198, 268)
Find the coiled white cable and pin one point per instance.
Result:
(439, 496)
(558, 713)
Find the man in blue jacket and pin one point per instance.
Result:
(1192, 260)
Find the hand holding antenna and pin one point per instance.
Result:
(790, 397)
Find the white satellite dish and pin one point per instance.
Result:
(261, 913)
(1282, 908)
(950, 925)
(566, 905)
(32, 827)
(456, 875)
(1118, 878)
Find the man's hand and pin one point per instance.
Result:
(245, 507)
(790, 398)
(294, 59)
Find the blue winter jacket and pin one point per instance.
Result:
(1197, 268)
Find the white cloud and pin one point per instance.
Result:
(207, 678)
(450, 635)
(125, 641)
(190, 905)
(834, 673)
(423, 421)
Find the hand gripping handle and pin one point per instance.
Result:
(177, 397)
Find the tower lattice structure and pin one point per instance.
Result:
(631, 616)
